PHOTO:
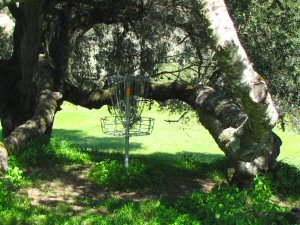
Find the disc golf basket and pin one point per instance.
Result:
(128, 97)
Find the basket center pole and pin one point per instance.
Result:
(127, 125)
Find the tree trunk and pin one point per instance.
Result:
(253, 139)
(30, 99)
(44, 36)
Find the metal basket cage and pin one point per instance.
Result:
(138, 87)
(128, 96)
(112, 125)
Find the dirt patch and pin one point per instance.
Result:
(71, 186)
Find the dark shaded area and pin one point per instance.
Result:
(62, 188)
(81, 140)
(285, 180)
(176, 174)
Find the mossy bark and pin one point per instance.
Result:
(30, 93)
(226, 123)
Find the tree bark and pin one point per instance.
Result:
(29, 97)
(253, 138)
(41, 120)
(225, 122)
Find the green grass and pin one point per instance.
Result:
(290, 146)
(166, 137)
(80, 178)
(82, 128)
(168, 195)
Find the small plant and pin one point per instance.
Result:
(112, 174)
(137, 175)
(107, 173)
(285, 179)
(188, 161)
(261, 194)
(14, 174)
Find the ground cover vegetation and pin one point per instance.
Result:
(151, 192)
(75, 182)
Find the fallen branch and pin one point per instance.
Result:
(176, 121)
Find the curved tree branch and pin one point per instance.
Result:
(42, 118)
(231, 56)
(226, 122)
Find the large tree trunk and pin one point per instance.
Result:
(33, 79)
(30, 97)
(253, 139)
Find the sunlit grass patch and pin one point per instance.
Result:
(164, 183)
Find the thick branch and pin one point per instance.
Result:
(249, 85)
(42, 118)
(93, 100)
(225, 121)
(106, 12)
(37, 125)
(227, 124)
(114, 14)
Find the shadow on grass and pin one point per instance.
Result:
(79, 139)
(63, 191)
(168, 176)
(285, 180)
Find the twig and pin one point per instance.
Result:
(172, 72)
(176, 121)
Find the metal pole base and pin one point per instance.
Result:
(126, 162)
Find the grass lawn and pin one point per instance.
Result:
(177, 176)
(82, 128)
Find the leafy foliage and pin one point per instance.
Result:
(229, 205)
(224, 204)
(112, 174)
(6, 39)
(107, 173)
(14, 174)
(12, 180)
(285, 179)
(271, 34)
(172, 47)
